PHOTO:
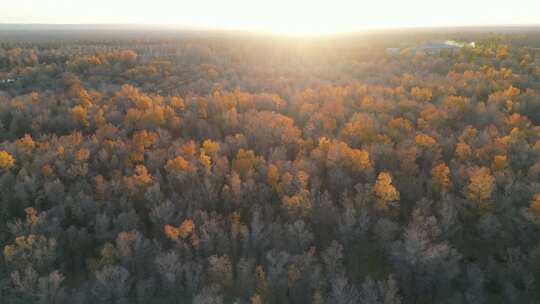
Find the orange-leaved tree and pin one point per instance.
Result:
(385, 192)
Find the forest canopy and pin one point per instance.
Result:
(255, 169)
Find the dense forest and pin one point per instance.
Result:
(240, 168)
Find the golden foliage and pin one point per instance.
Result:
(25, 144)
(518, 121)
(500, 162)
(80, 116)
(299, 203)
(469, 133)
(244, 161)
(171, 232)
(273, 176)
(384, 191)
(132, 118)
(189, 150)
(360, 129)
(421, 94)
(153, 118)
(132, 94)
(340, 154)
(177, 103)
(6, 160)
(178, 165)
(324, 145)
(481, 186)
(142, 176)
(425, 141)
(432, 116)
(210, 147)
(463, 151)
(400, 124)
(359, 160)
(441, 177)
(29, 247)
(502, 52)
(140, 180)
(205, 161)
(234, 184)
(142, 140)
(456, 104)
(82, 155)
(186, 228)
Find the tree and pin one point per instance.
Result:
(80, 116)
(171, 232)
(6, 160)
(140, 180)
(50, 289)
(244, 162)
(463, 151)
(385, 192)
(481, 186)
(178, 165)
(220, 271)
(112, 284)
(424, 262)
(273, 176)
(360, 129)
(502, 52)
(35, 251)
(210, 148)
(186, 228)
(500, 162)
(169, 267)
(441, 177)
(264, 130)
(342, 292)
(421, 94)
(425, 141)
(26, 144)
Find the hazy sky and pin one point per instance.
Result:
(285, 16)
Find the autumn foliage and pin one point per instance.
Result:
(481, 186)
(6, 160)
(385, 192)
(172, 167)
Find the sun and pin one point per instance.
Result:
(297, 18)
(290, 17)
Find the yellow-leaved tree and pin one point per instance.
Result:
(480, 187)
(441, 177)
(6, 160)
(385, 192)
(80, 116)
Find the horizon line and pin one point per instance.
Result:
(265, 31)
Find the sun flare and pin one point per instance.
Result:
(299, 17)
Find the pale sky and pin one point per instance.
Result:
(281, 16)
